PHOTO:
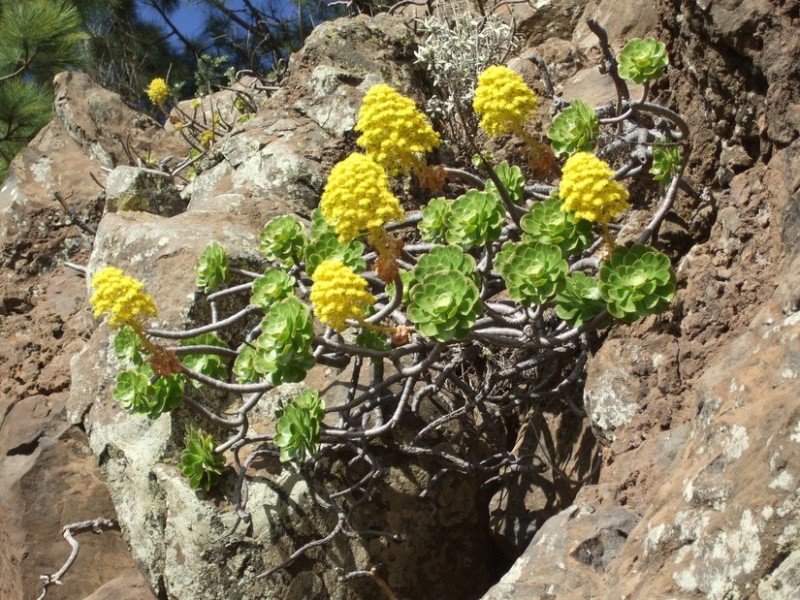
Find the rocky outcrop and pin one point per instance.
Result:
(698, 409)
(48, 475)
(693, 493)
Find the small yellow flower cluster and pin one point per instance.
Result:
(503, 101)
(206, 138)
(393, 132)
(158, 91)
(121, 298)
(357, 198)
(588, 190)
(338, 294)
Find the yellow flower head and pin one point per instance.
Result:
(357, 198)
(338, 294)
(588, 190)
(393, 132)
(121, 298)
(158, 91)
(503, 101)
(206, 138)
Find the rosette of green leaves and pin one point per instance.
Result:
(511, 178)
(283, 238)
(272, 286)
(642, 60)
(326, 246)
(636, 282)
(444, 305)
(667, 159)
(243, 369)
(475, 219)
(319, 225)
(128, 346)
(433, 226)
(575, 129)
(212, 267)
(580, 300)
(297, 430)
(210, 365)
(137, 393)
(442, 259)
(534, 273)
(283, 352)
(546, 223)
(199, 463)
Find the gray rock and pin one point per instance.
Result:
(140, 189)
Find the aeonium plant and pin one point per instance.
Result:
(446, 320)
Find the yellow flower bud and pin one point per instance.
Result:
(394, 133)
(158, 91)
(121, 298)
(357, 198)
(588, 191)
(503, 101)
(338, 294)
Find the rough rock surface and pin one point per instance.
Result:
(697, 408)
(48, 475)
(696, 493)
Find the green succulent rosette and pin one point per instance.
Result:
(580, 300)
(533, 273)
(433, 226)
(199, 463)
(283, 351)
(326, 246)
(211, 365)
(283, 238)
(667, 159)
(546, 223)
(575, 129)
(272, 286)
(444, 306)
(642, 60)
(512, 179)
(128, 347)
(475, 219)
(319, 225)
(243, 369)
(442, 259)
(298, 427)
(212, 267)
(636, 282)
(137, 393)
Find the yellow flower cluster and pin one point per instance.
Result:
(158, 91)
(588, 190)
(206, 138)
(338, 294)
(357, 198)
(503, 101)
(121, 298)
(393, 132)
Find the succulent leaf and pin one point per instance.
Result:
(433, 226)
(272, 286)
(298, 427)
(636, 282)
(580, 300)
(475, 219)
(512, 179)
(642, 60)
(533, 273)
(283, 239)
(444, 305)
(546, 223)
(212, 267)
(199, 463)
(575, 129)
